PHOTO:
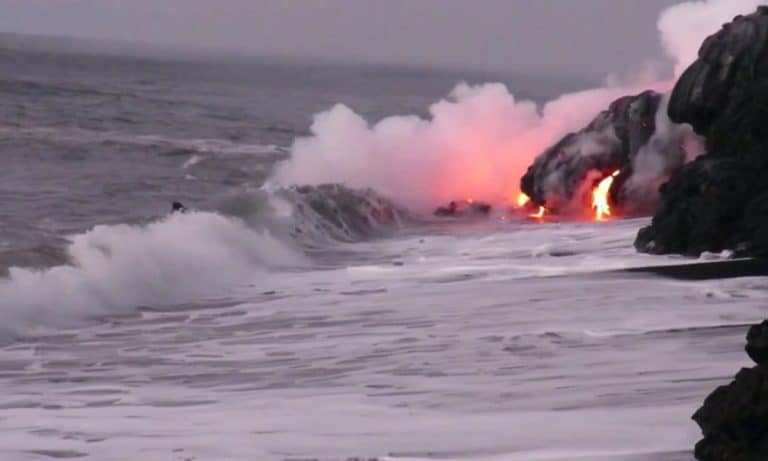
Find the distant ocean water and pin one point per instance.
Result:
(311, 322)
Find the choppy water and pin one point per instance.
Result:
(311, 323)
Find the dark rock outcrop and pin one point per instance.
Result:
(720, 201)
(609, 143)
(734, 418)
(757, 343)
(723, 93)
(465, 209)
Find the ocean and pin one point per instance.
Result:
(313, 322)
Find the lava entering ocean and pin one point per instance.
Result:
(601, 206)
(524, 202)
(600, 195)
(540, 214)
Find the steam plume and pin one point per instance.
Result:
(684, 27)
(478, 142)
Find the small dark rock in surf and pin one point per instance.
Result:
(454, 209)
(449, 210)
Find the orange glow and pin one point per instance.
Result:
(540, 214)
(600, 197)
(523, 200)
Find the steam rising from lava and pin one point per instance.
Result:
(684, 27)
(480, 140)
(477, 143)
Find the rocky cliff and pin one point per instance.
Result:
(720, 201)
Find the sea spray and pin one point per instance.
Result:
(119, 268)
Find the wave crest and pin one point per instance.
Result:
(118, 268)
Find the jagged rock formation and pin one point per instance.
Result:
(734, 418)
(720, 201)
(609, 143)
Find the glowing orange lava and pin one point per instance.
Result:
(523, 200)
(600, 197)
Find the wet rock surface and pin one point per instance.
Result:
(720, 201)
(757, 343)
(609, 143)
(734, 418)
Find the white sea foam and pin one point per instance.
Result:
(121, 267)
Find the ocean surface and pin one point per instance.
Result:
(312, 323)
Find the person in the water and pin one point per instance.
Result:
(178, 207)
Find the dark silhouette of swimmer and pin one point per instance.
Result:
(178, 207)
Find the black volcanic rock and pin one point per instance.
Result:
(734, 418)
(703, 208)
(723, 94)
(609, 143)
(720, 201)
(757, 343)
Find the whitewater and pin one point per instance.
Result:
(308, 305)
(503, 341)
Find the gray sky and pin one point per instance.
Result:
(571, 37)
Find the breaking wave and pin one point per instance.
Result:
(117, 269)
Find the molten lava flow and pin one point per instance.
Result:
(523, 200)
(600, 197)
